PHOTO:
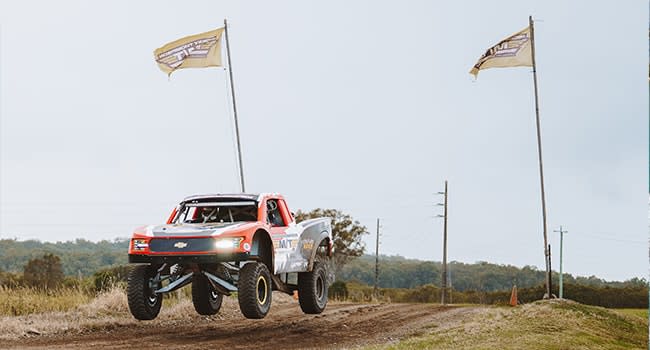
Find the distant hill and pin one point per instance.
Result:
(85, 257)
(77, 257)
(400, 272)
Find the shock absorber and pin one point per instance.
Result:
(174, 271)
(222, 272)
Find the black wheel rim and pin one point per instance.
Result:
(320, 287)
(261, 290)
(152, 300)
(214, 299)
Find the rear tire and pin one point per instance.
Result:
(206, 300)
(254, 290)
(144, 304)
(312, 289)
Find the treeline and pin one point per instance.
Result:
(79, 258)
(45, 273)
(399, 272)
(619, 297)
(82, 258)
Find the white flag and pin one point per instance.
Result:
(513, 51)
(194, 51)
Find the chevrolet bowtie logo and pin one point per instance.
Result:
(180, 245)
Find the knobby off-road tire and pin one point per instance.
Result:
(312, 289)
(206, 300)
(143, 303)
(254, 290)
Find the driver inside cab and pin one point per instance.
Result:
(273, 213)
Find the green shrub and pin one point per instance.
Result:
(106, 279)
(338, 291)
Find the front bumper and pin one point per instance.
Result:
(188, 259)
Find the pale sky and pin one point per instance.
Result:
(363, 106)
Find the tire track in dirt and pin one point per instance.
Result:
(342, 325)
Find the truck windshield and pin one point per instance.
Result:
(217, 212)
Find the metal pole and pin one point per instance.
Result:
(451, 288)
(539, 152)
(562, 232)
(376, 289)
(234, 108)
(550, 283)
(444, 253)
(1, 130)
(561, 285)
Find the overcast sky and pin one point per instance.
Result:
(363, 106)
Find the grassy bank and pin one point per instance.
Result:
(642, 313)
(540, 325)
(25, 301)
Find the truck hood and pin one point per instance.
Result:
(175, 230)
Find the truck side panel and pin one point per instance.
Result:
(299, 257)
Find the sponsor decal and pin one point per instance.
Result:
(180, 245)
(284, 243)
(308, 244)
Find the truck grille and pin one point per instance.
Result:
(176, 245)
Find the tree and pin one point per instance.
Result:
(109, 277)
(45, 272)
(346, 235)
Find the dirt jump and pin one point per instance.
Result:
(341, 325)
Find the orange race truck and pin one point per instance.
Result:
(224, 243)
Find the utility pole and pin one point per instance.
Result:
(376, 289)
(547, 252)
(562, 232)
(550, 280)
(451, 289)
(443, 298)
(234, 108)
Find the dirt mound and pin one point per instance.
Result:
(106, 322)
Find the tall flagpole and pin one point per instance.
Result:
(234, 108)
(547, 253)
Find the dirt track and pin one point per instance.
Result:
(342, 325)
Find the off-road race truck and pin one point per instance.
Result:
(225, 243)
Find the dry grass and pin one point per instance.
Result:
(25, 301)
(107, 311)
(643, 313)
(541, 325)
(107, 307)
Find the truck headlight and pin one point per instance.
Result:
(140, 244)
(228, 243)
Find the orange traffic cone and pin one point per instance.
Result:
(513, 296)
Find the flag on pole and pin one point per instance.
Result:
(194, 51)
(513, 51)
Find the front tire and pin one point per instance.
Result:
(312, 289)
(144, 304)
(206, 300)
(254, 290)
